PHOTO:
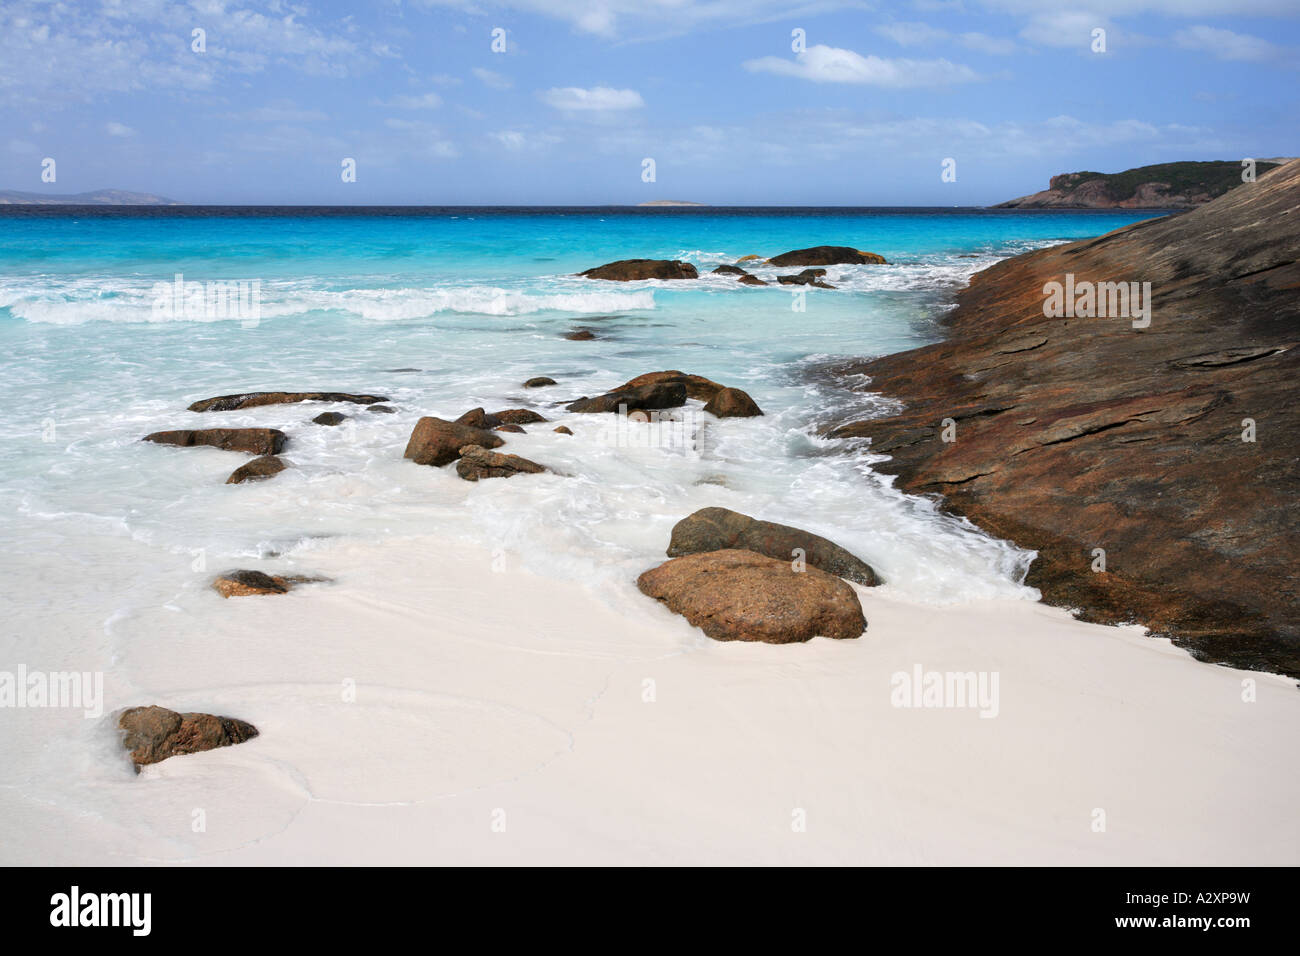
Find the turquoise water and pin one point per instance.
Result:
(444, 311)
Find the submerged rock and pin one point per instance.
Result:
(730, 271)
(153, 733)
(751, 280)
(330, 418)
(229, 403)
(738, 595)
(807, 277)
(717, 529)
(563, 430)
(733, 403)
(435, 441)
(381, 409)
(540, 381)
(640, 398)
(477, 463)
(255, 441)
(259, 469)
(827, 256)
(580, 335)
(626, 270)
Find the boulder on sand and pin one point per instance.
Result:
(435, 441)
(738, 595)
(229, 403)
(477, 463)
(640, 398)
(733, 403)
(627, 270)
(827, 256)
(156, 733)
(258, 469)
(255, 441)
(717, 529)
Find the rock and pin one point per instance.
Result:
(627, 270)
(437, 442)
(640, 398)
(518, 416)
(541, 381)
(330, 418)
(717, 529)
(381, 409)
(477, 418)
(733, 403)
(1164, 185)
(1077, 434)
(477, 463)
(156, 733)
(697, 386)
(730, 271)
(255, 441)
(580, 335)
(738, 595)
(245, 583)
(827, 256)
(562, 430)
(229, 403)
(749, 258)
(751, 280)
(258, 469)
(807, 277)
(509, 428)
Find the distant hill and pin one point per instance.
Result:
(670, 202)
(100, 197)
(1165, 185)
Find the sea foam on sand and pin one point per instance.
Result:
(461, 715)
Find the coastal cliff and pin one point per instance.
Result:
(1162, 186)
(1151, 460)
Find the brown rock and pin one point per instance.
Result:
(580, 335)
(1074, 434)
(749, 258)
(626, 270)
(478, 418)
(733, 403)
(730, 271)
(541, 381)
(381, 409)
(330, 418)
(640, 398)
(562, 430)
(245, 583)
(697, 386)
(737, 595)
(751, 280)
(255, 441)
(258, 469)
(435, 441)
(156, 733)
(717, 529)
(807, 277)
(509, 428)
(827, 256)
(518, 416)
(477, 463)
(228, 403)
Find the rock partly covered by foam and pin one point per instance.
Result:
(626, 270)
(259, 469)
(478, 418)
(827, 256)
(244, 583)
(636, 399)
(539, 381)
(738, 595)
(811, 277)
(717, 529)
(155, 733)
(229, 403)
(1151, 468)
(733, 403)
(436, 441)
(330, 418)
(697, 386)
(477, 463)
(254, 441)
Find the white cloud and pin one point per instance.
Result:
(415, 101)
(518, 141)
(118, 129)
(1225, 44)
(1064, 28)
(497, 81)
(598, 98)
(983, 43)
(828, 64)
(911, 34)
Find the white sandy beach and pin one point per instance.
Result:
(502, 718)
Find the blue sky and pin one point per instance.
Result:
(715, 93)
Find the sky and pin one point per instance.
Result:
(543, 102)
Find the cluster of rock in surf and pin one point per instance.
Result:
(629, 270)
(733, 576)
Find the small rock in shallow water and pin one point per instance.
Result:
(435, 441)
(627, 270)
(641, 398)
(156, 733)
(563, 430)
(477, 463)
(541, 381)
(330, 418)
(255, 441)
(580, 335)
(382, 409)
(733, 403)
(258, 469)
(509, 427)
(228, 403)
